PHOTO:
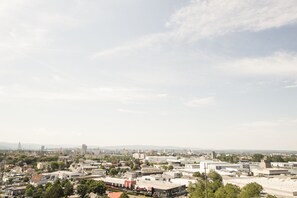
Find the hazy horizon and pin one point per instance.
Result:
(194, 73)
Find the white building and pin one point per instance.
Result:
(160, 159)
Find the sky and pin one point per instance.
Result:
(209, 74)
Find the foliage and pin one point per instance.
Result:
(270, 196)
(257, 157)
(227, 191)
(251, 190)
(97, 187)
(88, 186)
(197, 174)
(29, 190)
(68, 189)
(113, 171)
(82, 190)
(228, 158)
(54, 191)
(124, 195)
(216, 189)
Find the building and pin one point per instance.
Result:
(161, 189)
(150, 171)
(42, 165)
(280, 187)
(15, 191)
(265, 168)
(138, 156)
(19, 146)
(83, 149)
(159, 159)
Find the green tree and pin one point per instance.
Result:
(270, 196)
(54, 191)
(54, 165)
(197, 189)
(197, 174)
(29, 190)
(38, 193)
(251, 190)
(257, 157)
(113, 172)
(216, 181)
(68, 189)
(97, 187)
(227, 191)
(170, 167)
(82, 190)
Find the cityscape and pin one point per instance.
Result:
(94, 172)
(148, 98)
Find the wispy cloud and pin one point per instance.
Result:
(270, 125)
(201, 102)
(115, 94)
(279, 64)
(203, 19)
(294, 85)
(131, 111)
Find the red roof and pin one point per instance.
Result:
(36, 178)
(115, 194)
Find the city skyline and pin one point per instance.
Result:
(208, 74)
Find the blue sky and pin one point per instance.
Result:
(204, 73)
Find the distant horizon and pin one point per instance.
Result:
(37, 146)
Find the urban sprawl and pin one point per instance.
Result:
(121, 173)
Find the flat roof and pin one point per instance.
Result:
(157, 184)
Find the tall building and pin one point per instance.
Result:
(84, 149)
(213, 155)
(42, 149)
(19, 146)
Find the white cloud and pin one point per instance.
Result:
(114, 94)
(269, 126)
(148, 41)
(279, 64)
(131, 111)
(209, 18)
(293, 85)
(201, 102)
(27, 26)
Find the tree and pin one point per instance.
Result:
(232, 191)
(29, 190)
(197, 174)
(68, 189)
(216, 181)
(251, 190)
(170, 167)
(257, 157)
(54, 165)
(270, 196)
(215, 187)
(227, 191)
(97, 187)
(82, 190)
(197, 189)
(38, 193)
(214, 176)
(54, 191)
(124, 195)
(113, 172)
